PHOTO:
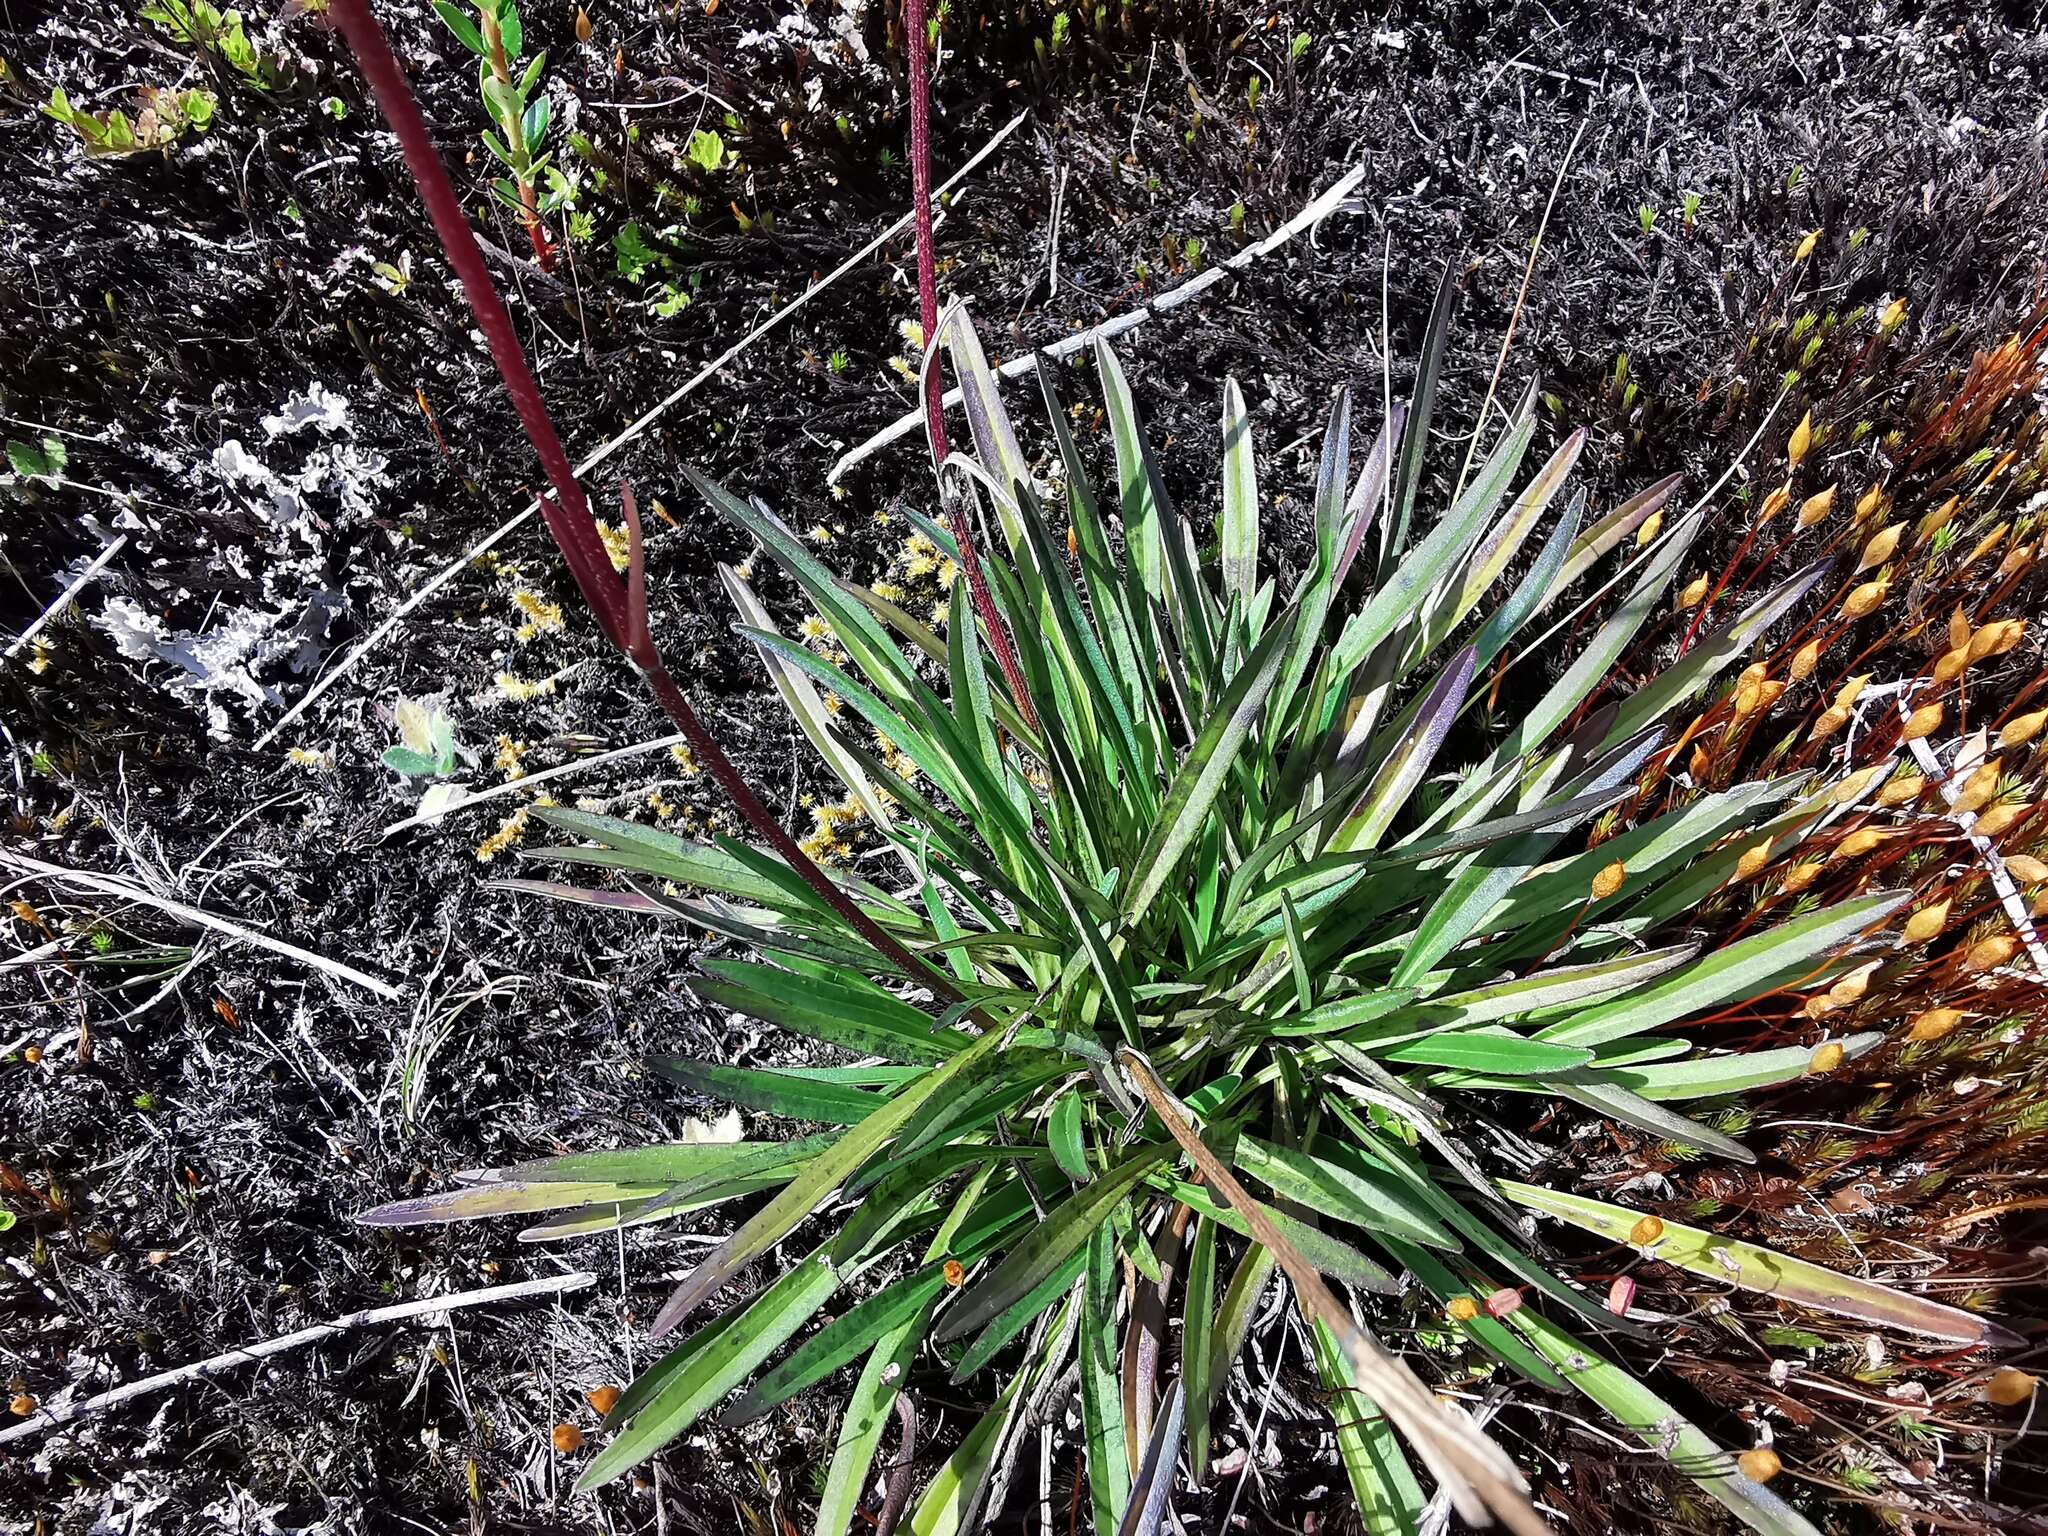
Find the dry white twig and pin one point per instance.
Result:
(64, 598)
(51, 1418)
(348, 663)
(513, 786)
(1172, 299)
(2002, 882)
(110, 885)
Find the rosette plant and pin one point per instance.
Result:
(1208, 946)
(1210, 932)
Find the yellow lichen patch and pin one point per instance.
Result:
(618, 544)
(310, 758)
(686, 760)
(542, 616)
(663, 809)
(522, 690)
(506, 758)
(508, 835)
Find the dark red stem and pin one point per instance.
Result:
(917, 45)
(921, 211)
(618, 602)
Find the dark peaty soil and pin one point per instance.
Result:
(185, 1155)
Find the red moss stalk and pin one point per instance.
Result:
(620, 604)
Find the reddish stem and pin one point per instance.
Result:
(921, 211)
(928, 319)
(619, 603)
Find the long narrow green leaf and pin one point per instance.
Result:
(1346, 1194)
(861, 1423)
(1667, 1432)
(1706, 1077)
(1197, 1315)
(947, 1501)
(1751, 1268)
(777, 1093)
(1063, 1233)
(1102, 1398)
(820, 1177)
(724, 1354)
(1388, 1497)
(1203, 774)
(854, 1015)
(1735, 973)
(1240, 530)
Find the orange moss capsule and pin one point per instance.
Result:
(1800, 876)
(955, 1273)
(1951, 665)
(1864, 601)
(2025, 868)
(1647, 1231)
(1829, 721)
(1989, 954)
(2022, 729)
(1993, 822)
(1753, 859)
(1924, 721)
(1775, 503)
(1882, 546)
(1859, 842)
(1933, 1023)
(1926, 924)
(1936, 520)
(1977, 789)
(1958, 630)
(1461, 1309)
(1802, 440)
(1984, 546)
(1902, 790)
(603, 1399)
(1851, 788)
(1825, 1059)
(1804, 660)
(1997, 638)
(582, 25)
(1852, 986)
(1816, 507)
(1694, 594)
(1609, 880)
(568, 1439)
(1652, 526)
(21, 1405)
(1760, 1465)
(2010, 1387)
(1868, 503)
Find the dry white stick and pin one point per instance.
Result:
(450, 572)
(1172, 299)
(64, 598)
(513, 786)
(2002, 882)
(110, 885)
(51, 1418)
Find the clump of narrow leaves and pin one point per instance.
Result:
(1211, 936)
